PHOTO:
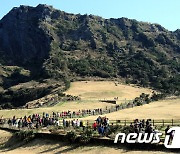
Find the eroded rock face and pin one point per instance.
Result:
(22, 37)
(26, 33)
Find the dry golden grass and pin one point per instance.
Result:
(4, 137)
(90, 92)
(64, 106)
(60, 148)
(164, 109)
(95, 90)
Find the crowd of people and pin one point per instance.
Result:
(101, 124)
(73, 114)
(142, 126)
(74, 123)
(34, 121)
(46, 119)
(37, 120)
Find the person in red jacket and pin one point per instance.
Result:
(94, 126)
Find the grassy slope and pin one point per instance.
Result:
(90, 92)
(95, 90)
(165, 109)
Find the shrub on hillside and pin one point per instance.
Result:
(25, 135)
(86, 136)
(71, 136)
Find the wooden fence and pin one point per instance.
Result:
(156, 122)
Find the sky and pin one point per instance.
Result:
(163, 12)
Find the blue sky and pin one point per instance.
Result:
(164, 12)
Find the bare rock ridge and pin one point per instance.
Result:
(22, 37)
(46, 45)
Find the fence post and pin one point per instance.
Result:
(153, 122)
(172, 122)
(125, 122)
(163, 122)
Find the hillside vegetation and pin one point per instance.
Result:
(44, 44)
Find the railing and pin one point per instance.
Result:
(157, 122)
(160, 122)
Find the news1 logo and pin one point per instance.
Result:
(174, 137)
(172, 140)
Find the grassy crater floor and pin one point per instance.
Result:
(90, 93)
